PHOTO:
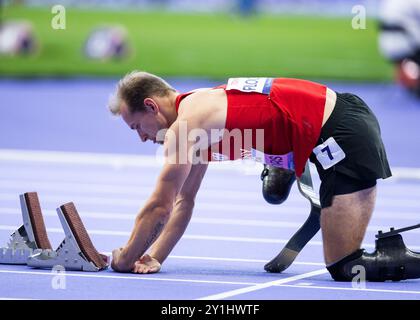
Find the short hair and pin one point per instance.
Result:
(136, 86)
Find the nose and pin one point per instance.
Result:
(142, 136)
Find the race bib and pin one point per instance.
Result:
(219, 156)
(329, 153)
(284, 161)
(259, 85)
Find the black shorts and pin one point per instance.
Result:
(356, 130)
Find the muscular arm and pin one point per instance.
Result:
(152, 218)
(155, 214)
(180, 215)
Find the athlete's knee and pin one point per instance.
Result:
(277, 183)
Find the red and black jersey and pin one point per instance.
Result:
(289, 111)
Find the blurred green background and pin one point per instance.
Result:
(204, 45)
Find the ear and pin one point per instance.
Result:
(151, 105)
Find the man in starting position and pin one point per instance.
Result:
(290, 121)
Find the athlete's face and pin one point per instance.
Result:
(146, 123)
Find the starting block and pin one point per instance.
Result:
(30, 245)
(392, 232)
(31, 236)
(76, 252)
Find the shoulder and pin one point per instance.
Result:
(204, 97)
(201, 103)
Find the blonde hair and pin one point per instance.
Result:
(136, 86)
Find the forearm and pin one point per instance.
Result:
(149, 224)
(173, 231)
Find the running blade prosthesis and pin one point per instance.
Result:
(305, 233)
(30, 245)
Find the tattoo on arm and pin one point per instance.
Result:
(156, 231)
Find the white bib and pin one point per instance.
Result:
(284, 161)
(259, 85)
(329, 153)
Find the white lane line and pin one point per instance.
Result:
(217, 198)
(60, 231)
(132, 190)
(406, 173)
(233, 260)
(197, 237)
(85, 158)
(79, 182)
(216, 259)
(214, 206)
(361, 290)
(233, 293)
(301, 286)
(131, 217)
(80, 199)
(108, 159)
(185, 236)
(133, 277)
(137, 203)
(239, 260)
(128, 188)
(149, 161)
(196, 220)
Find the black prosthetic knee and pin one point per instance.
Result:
(391, 260)
(277, 183)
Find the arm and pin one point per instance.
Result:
(180, 216)
(152, 218)
(175, 227)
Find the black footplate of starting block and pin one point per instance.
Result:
(391, 260)
(31, 236)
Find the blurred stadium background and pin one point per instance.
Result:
(212, 39)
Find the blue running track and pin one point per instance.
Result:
(57, 138)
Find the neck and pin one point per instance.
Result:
(168, 107)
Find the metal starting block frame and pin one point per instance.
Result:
(29, 244)
(393, 232)
(68, 254)
(22, 242)
(18, 249)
